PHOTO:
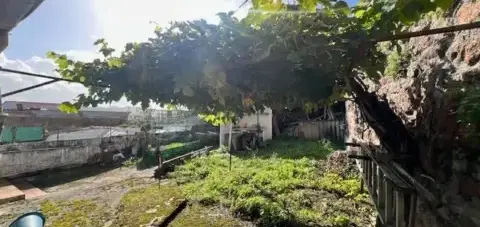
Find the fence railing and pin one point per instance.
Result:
(394, 192)
(203, 151)
(387, 191)
(165, 166)
(328, 129)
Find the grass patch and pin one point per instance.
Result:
(74, 213)
(294, 148)
(200, 216)
(137, 207)
(140, 206)
(282, 185)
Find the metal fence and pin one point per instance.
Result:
(328, 129)
(395, 193)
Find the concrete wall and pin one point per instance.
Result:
(31, 157)
(249, 121)
(56, 120)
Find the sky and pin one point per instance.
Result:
(71, 27)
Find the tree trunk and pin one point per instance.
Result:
(391, 131)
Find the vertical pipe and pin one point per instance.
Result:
(14, 133)
(1, 104)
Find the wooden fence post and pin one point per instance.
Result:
(399, 209)
(388, 203)
(381, 189)
(374, 181)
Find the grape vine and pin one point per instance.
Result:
(274, 57)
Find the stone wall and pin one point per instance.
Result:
(16, 159)
(426, 97)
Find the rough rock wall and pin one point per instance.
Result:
(426, 99)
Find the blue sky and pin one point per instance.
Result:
(71, 27)
(64, 25)
(57, 24)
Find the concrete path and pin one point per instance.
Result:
(9, 193)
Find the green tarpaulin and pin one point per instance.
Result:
(22, 134)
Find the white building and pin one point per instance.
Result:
(249, 123)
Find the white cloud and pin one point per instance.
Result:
(81, 55)
(119, 21)
(123, 21)
(53, 93)
(56, 92)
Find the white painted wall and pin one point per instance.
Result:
(35, 156)
(248, 121)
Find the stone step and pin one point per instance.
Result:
(9, 193)
(30, 191)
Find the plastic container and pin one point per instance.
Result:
(32, 219)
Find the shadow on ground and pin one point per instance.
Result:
(54, 177)
(292, 148)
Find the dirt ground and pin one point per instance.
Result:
(106, 185)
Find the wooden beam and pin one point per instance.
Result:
(362, 157)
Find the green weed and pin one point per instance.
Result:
(280, 185)
(74, 213)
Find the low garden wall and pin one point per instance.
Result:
(16, 159)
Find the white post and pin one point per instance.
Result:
(1, 104)
(229, 146)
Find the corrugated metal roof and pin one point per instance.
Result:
(91, 133)
(104, 114)
(12, 105)
(82, 114)
(54, 114)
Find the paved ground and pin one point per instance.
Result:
(99, 183)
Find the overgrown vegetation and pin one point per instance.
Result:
(398, 58)
(242, 65)
(469, 113)
(74, 213)
(284, 184)
(200, 216)
(138, 207)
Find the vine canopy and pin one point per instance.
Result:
(274, 57)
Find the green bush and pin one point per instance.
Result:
(280, 185)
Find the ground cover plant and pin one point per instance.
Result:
(285, 184)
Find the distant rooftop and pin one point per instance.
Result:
(21, 105)
(14, 105)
